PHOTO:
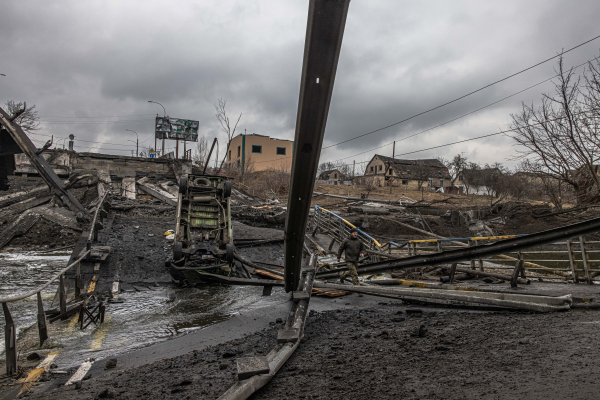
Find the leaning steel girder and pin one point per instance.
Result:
(484, 251)
(324, 32)
(56, 186)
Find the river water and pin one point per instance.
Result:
(145, 317)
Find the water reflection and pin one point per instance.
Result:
(145, 317)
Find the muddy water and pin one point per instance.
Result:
(145, 317)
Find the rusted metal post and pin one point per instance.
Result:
(41, 320)
(10, 341)
(520, 257)
(572, 261)
(62, 296)
(324, 33)
(515, 275)
(586, 261)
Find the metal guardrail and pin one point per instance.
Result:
(10, 335)
(331, 223)
(479, 252)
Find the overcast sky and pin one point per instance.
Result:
(91, 66)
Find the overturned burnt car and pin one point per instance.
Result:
(203, 234)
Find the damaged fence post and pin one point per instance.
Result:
(586, 261)
(62, 296)
(520, 257)
(267, 289)
(515, 275)
(41, 320)
(10, 341)
(78, 280)
(572, 261)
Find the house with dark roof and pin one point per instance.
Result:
(332, 176)
(412, 174)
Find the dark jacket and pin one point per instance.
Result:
(353, 249)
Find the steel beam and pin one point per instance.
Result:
(324, 32)
(46, 172)
(469, 253)
(10, 341)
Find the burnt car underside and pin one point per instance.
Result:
(203, 234)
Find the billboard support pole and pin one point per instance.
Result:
(177, 148)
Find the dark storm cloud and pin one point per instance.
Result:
(398, 59)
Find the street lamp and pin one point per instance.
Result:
(136, 141)
(164, 116)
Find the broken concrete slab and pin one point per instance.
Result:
(157, 192)
(19, 227)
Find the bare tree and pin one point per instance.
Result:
(455, 166)
(28, 120)
(562, 136)
(201, 151)
(223, 119)
(369, 183)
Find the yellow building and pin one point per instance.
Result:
(258, 152)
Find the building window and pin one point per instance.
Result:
(405, 181)
(441, 183)
(430, 184)
(281, 151)
(239, 150)
(371, 169)
(230, 154)
(256, 149)
(380, 167)
(335, 176)
(460, 178)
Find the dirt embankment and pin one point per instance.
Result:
(385, 353)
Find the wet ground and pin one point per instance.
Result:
(388, 351)
(152, 308)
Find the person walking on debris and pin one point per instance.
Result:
(354, 248)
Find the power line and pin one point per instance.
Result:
(449, 121)
(463, 96)
(467, 114)
(105, 116)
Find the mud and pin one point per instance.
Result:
(387, 353)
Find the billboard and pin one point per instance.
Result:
(176, 128)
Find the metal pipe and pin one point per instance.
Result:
(324, 33)
(209, 154)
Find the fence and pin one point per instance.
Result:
(10, 336)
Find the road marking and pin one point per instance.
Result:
(100, 334)
(80, 373)
(34, 374)
(73, 323)
(92, 286)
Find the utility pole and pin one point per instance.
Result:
(137, 141)
(394, 150)
(163, 139)
(353, 168)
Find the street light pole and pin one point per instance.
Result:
(136, 142)
(164, 116)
